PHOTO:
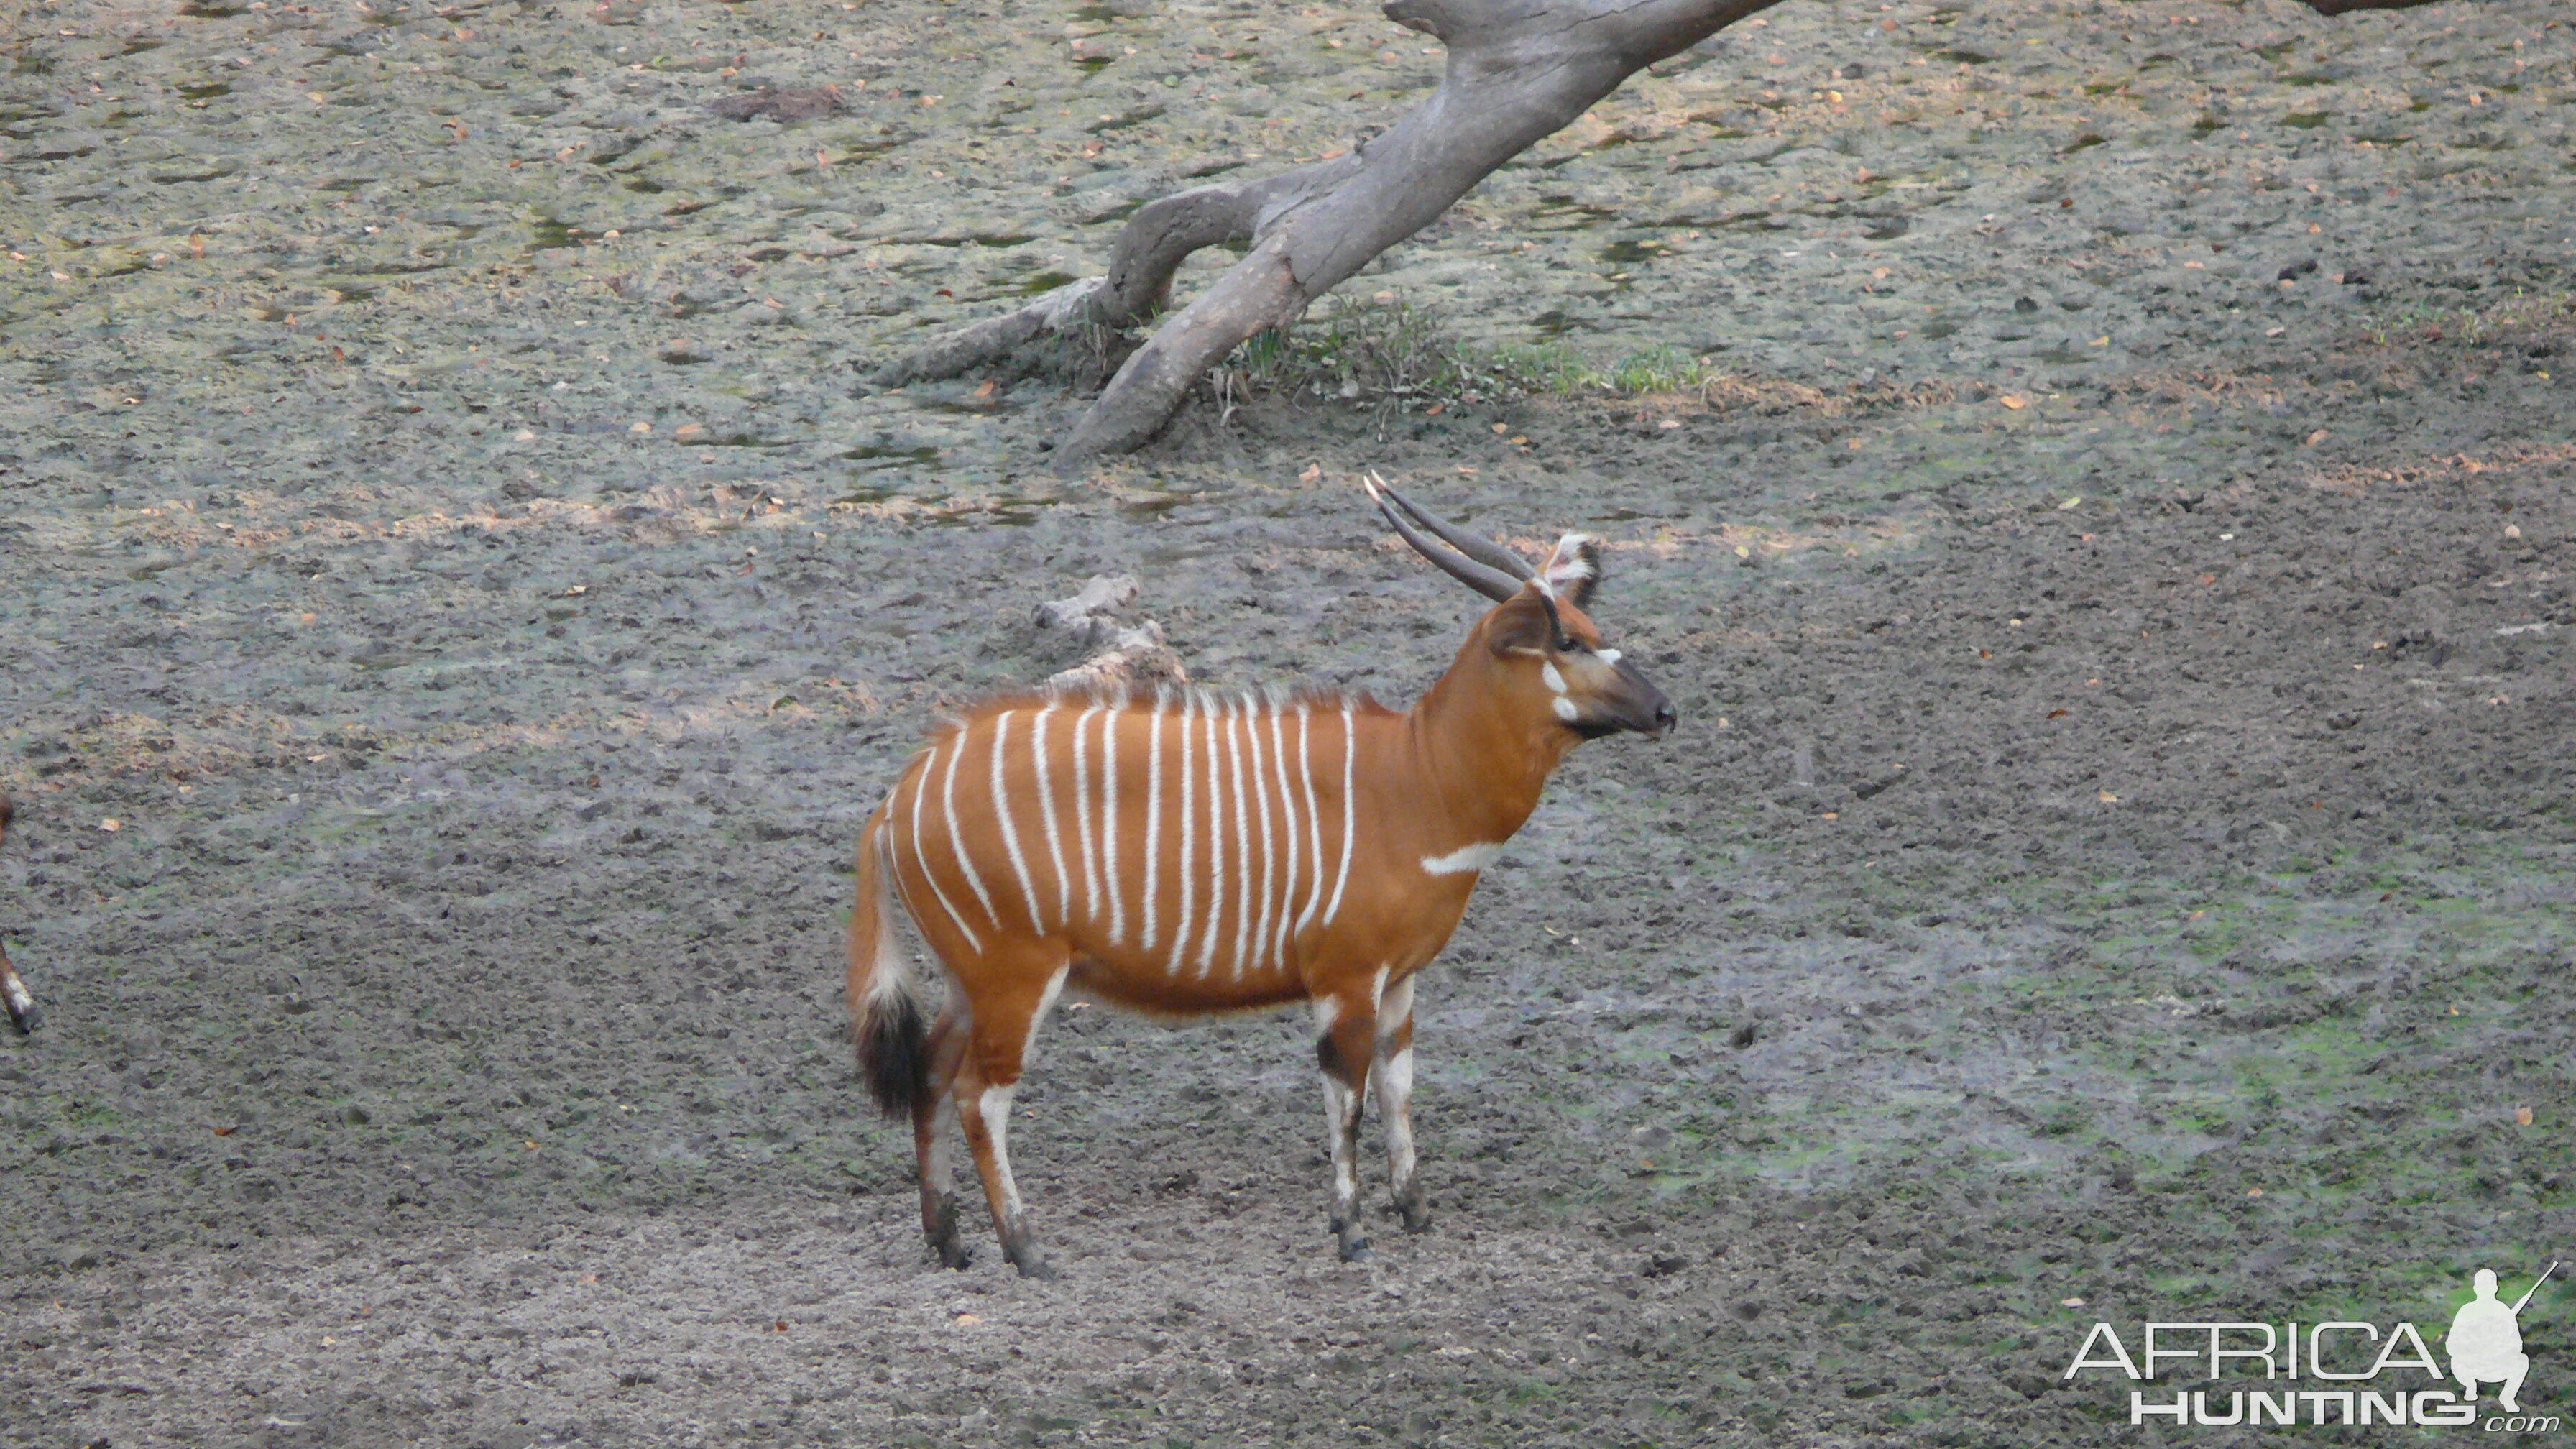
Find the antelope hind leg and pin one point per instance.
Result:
(989, 1074)
(930, 1140)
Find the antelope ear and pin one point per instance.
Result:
(1573, 568)
(1522, 623)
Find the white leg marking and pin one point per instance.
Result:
(1046, 1003)
(1377, 990)
(1082, 817)
(1235, 748)
(1465, 860)
(956, 847)
(923, 861)
(1046, 816)
(995, 1108)
(1188, 876)
(1341, 1120)
(1395, 1105)
(1350, 812)
(1288, 824)
(1011, 832)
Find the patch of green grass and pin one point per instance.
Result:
(2524, 313)
(1385, 347)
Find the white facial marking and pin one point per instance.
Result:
(1565, 709)
(1464, 860)
(1606, 656)
(1555, 680)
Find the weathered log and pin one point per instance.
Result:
(1517, 71)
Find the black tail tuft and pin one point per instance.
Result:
(894, 1055)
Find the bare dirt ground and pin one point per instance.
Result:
(462, 592)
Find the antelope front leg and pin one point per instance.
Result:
(1347, 1032)
(1395, 1103)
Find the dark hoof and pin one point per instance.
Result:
(26, 1021)
(1417, 1218)
(953, 1256)
(1357, 1252)
(1031, 1265)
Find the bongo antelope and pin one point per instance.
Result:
(1197, 851)
(14, 996)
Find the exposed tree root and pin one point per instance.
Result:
(1517, 71)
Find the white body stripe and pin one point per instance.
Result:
(1010, 831)
(1082, 818)
(1046, 814)
(1288, 820)
(1189, 833)
(1269, 844)
(1109, 824)
(1315, 843)
(1342, 873)
(948, 822)
(921, 862)
(1461, 861)
(1235, 749)
(1153, 871)
(1216, 838)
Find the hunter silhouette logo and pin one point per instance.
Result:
(2361, 1374)
(2485, 1342)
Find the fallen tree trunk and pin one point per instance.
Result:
(1517, 72)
